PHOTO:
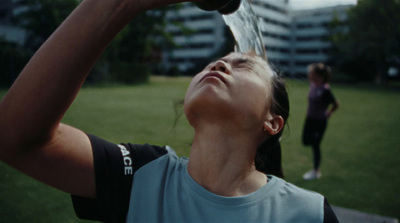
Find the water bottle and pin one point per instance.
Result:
(223, 6)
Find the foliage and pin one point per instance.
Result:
(139, 45)
(12, 60)
(370, 41)
(39, 21)
(129, 58)
(41, 18)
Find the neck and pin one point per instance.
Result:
(224, 167)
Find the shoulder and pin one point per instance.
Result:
(170, 163)
(115, 167)
(305, 205)
(289, 189)
(308, 204)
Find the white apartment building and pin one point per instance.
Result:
(293, 39)
(208, 37)
(309, 36)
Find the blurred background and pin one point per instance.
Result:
(150, 63)
(359, 40)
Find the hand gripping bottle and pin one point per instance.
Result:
(223, 6)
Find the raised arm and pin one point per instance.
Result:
(32, 139)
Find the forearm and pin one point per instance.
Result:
(37, 101)
(334, 106)
(332, 109)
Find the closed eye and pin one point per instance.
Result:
(243, 63)
(238, 63)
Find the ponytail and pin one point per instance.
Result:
(269, 155)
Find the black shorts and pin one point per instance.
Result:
(313, 131)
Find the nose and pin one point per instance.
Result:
(221, 66)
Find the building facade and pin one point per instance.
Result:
(310, 32)
(206, 36)
(292, 39)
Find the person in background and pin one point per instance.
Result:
(321, 105)
(236, 105)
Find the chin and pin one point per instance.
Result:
(207, 109)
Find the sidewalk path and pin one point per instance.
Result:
(346, 215)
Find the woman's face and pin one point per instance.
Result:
(236, 87)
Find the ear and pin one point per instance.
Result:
(274, 124)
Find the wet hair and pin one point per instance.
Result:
(269, 155)
(321, 70)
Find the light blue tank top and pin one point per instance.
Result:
(163, 191)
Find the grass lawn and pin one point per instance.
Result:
(360, 154)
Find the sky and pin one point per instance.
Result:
(309, 4)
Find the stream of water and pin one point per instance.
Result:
(244, 26)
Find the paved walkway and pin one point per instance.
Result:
(353, 216)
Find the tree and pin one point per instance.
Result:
(41, 18)
(129, 57)
(372, 37)
(12, 60)
(136, 50)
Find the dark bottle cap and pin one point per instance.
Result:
(223, 6)
(231, 7)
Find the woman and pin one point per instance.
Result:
(321, 105)
(233, 105)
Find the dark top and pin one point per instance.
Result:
(319, 98)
